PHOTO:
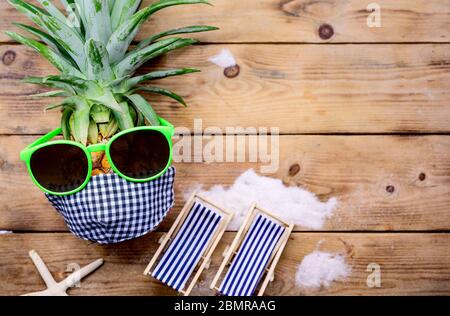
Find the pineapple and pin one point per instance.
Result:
(90, 46)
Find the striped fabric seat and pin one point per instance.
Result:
(252, 258)
(186, 250)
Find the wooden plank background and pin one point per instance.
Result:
(360, 112)
(298, 88)
(355, 169)
(298, 21)
(407, 266)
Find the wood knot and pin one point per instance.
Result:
(326, 31)
(422, 176)
(294, 169)
(232, 71)
(9, 57)
(390, 189)
(28, 64)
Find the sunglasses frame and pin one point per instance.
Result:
(166, 129)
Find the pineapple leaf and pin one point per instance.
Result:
(109, 129)
(117, 81)
(54, 106)
(162, 91)
(49, 40)
(184, 30)
(53, 10)
(145, 108)
(130, 83)
(68, 102)
(63, 65)
(67, 37)
(98, 20)
(73, 16)
(98, 94)
(92, 132)
(78, 8)
(123, 36)
(100, 113)
(98, 61)
(124, 118)
(69, 83)
(122, 10)
(81, 119)
(50, 83)
(67, 3)
(28, 9)
(66, 114)
(51, 94)
(136, 59)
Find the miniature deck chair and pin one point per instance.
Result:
(192, 238)
(259, 252)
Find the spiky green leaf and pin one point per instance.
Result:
(53, 10)
(163, 92)
(109, 129)
(128, 84)
(124, 118)
(100, 113)
(46, 82)
(98, 20)
(63, 65)
(65, 118)
(49, 40)
(67, 36)
(51, 94)
(123, 10)
(98, 61)
(145, 108)
(92, 132)
(183, 30)
(98, 94)
(123, 36)
(81, 119)
(136, 59)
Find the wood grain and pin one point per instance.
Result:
(296, 21)
(300, 89)
(407, 267)
(381, 182)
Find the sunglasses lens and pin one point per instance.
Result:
(59, 168)
(141, 154)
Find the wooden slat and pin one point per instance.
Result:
(297, 20)
(300, 89)
(381, 182)
(407, 267)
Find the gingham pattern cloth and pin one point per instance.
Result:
(111, 209)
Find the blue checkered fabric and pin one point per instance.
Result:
(111, 209)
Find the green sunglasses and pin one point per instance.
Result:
(63, 167)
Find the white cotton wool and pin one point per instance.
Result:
(224, 59)
(293, 204)
(321, 269)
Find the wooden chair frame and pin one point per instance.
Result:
(231, 250)
(166, 239)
